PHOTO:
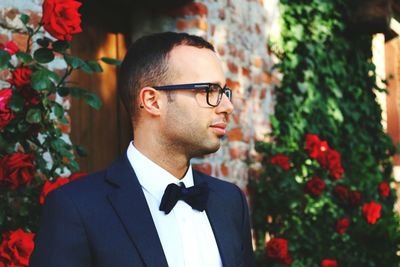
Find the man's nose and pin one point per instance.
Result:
(225, 106)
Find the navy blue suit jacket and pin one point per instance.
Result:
(102, 220)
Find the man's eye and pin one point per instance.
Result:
(214, 88)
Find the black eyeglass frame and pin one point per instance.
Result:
(200, 86)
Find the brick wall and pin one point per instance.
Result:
(239, 30)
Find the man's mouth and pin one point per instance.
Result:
(219, 128)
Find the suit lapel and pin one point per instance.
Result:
(220, 224)
(130, 204)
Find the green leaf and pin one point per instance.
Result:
(60, 46)
(76, 91)
(63, 91)
(43, 42)
(90, 98)
(33, 115)
(41, 81)
(43, 55)
(4, 59)
(16, 103)
(111, 61)
(23, 126)
(93, 100)
(58, 111)
(96, 67)
(24, 57)
(24, 18)
(81, 151)
(51, 74)
(74, 62)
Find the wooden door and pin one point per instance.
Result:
(105, 133)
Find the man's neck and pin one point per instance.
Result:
(174, 163)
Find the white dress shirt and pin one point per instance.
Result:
(186, 235)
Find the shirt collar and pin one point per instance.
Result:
(153, 178)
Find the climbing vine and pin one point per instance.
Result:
(324, 198)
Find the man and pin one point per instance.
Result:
(150, 208)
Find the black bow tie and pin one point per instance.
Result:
(196, 196)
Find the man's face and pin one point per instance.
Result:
(189, 123)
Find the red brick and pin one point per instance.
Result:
(224, 170)
(182, 24)
(221, 14)
(3, 39)
(241, 55)
(232, 67)
(257, 62)
(190, 9)
(234, 85)
(221, 50)
(20, 40)
(245, 72)
(11, 14)
(65, 128)
(233, 50)
(212, 29)
(237, 153)
(263, 93)
(35, 18)
(5, 75)
(235, 134)
(266, 78)
(204, 168)
(236, 118)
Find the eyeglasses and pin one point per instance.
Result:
(214, 91)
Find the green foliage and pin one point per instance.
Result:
(328, 90)
(30, 124)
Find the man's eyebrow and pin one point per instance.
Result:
(217, 82)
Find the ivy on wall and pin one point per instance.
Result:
(324, 198)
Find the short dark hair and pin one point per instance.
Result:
(146, 64)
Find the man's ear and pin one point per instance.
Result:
(149, 100)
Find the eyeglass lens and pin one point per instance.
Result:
(215, 93)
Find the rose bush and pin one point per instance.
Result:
(281, 161)
(16, 248)
(36, 157)
(276, 249)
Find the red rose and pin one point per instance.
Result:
(10, 47)
(30, 95)
(372, 211)
(323, 153)
(354, 198)
(328, 263)
(315, 186)
(60, 181)
(5, 113)
(16, 169)
(313, 145)
(342, 225)
(16, 248)
(61, 18)
(334, 164)
(21, 77)
(384, 189)
(277, 250)
(281, 160)
(341, 192)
